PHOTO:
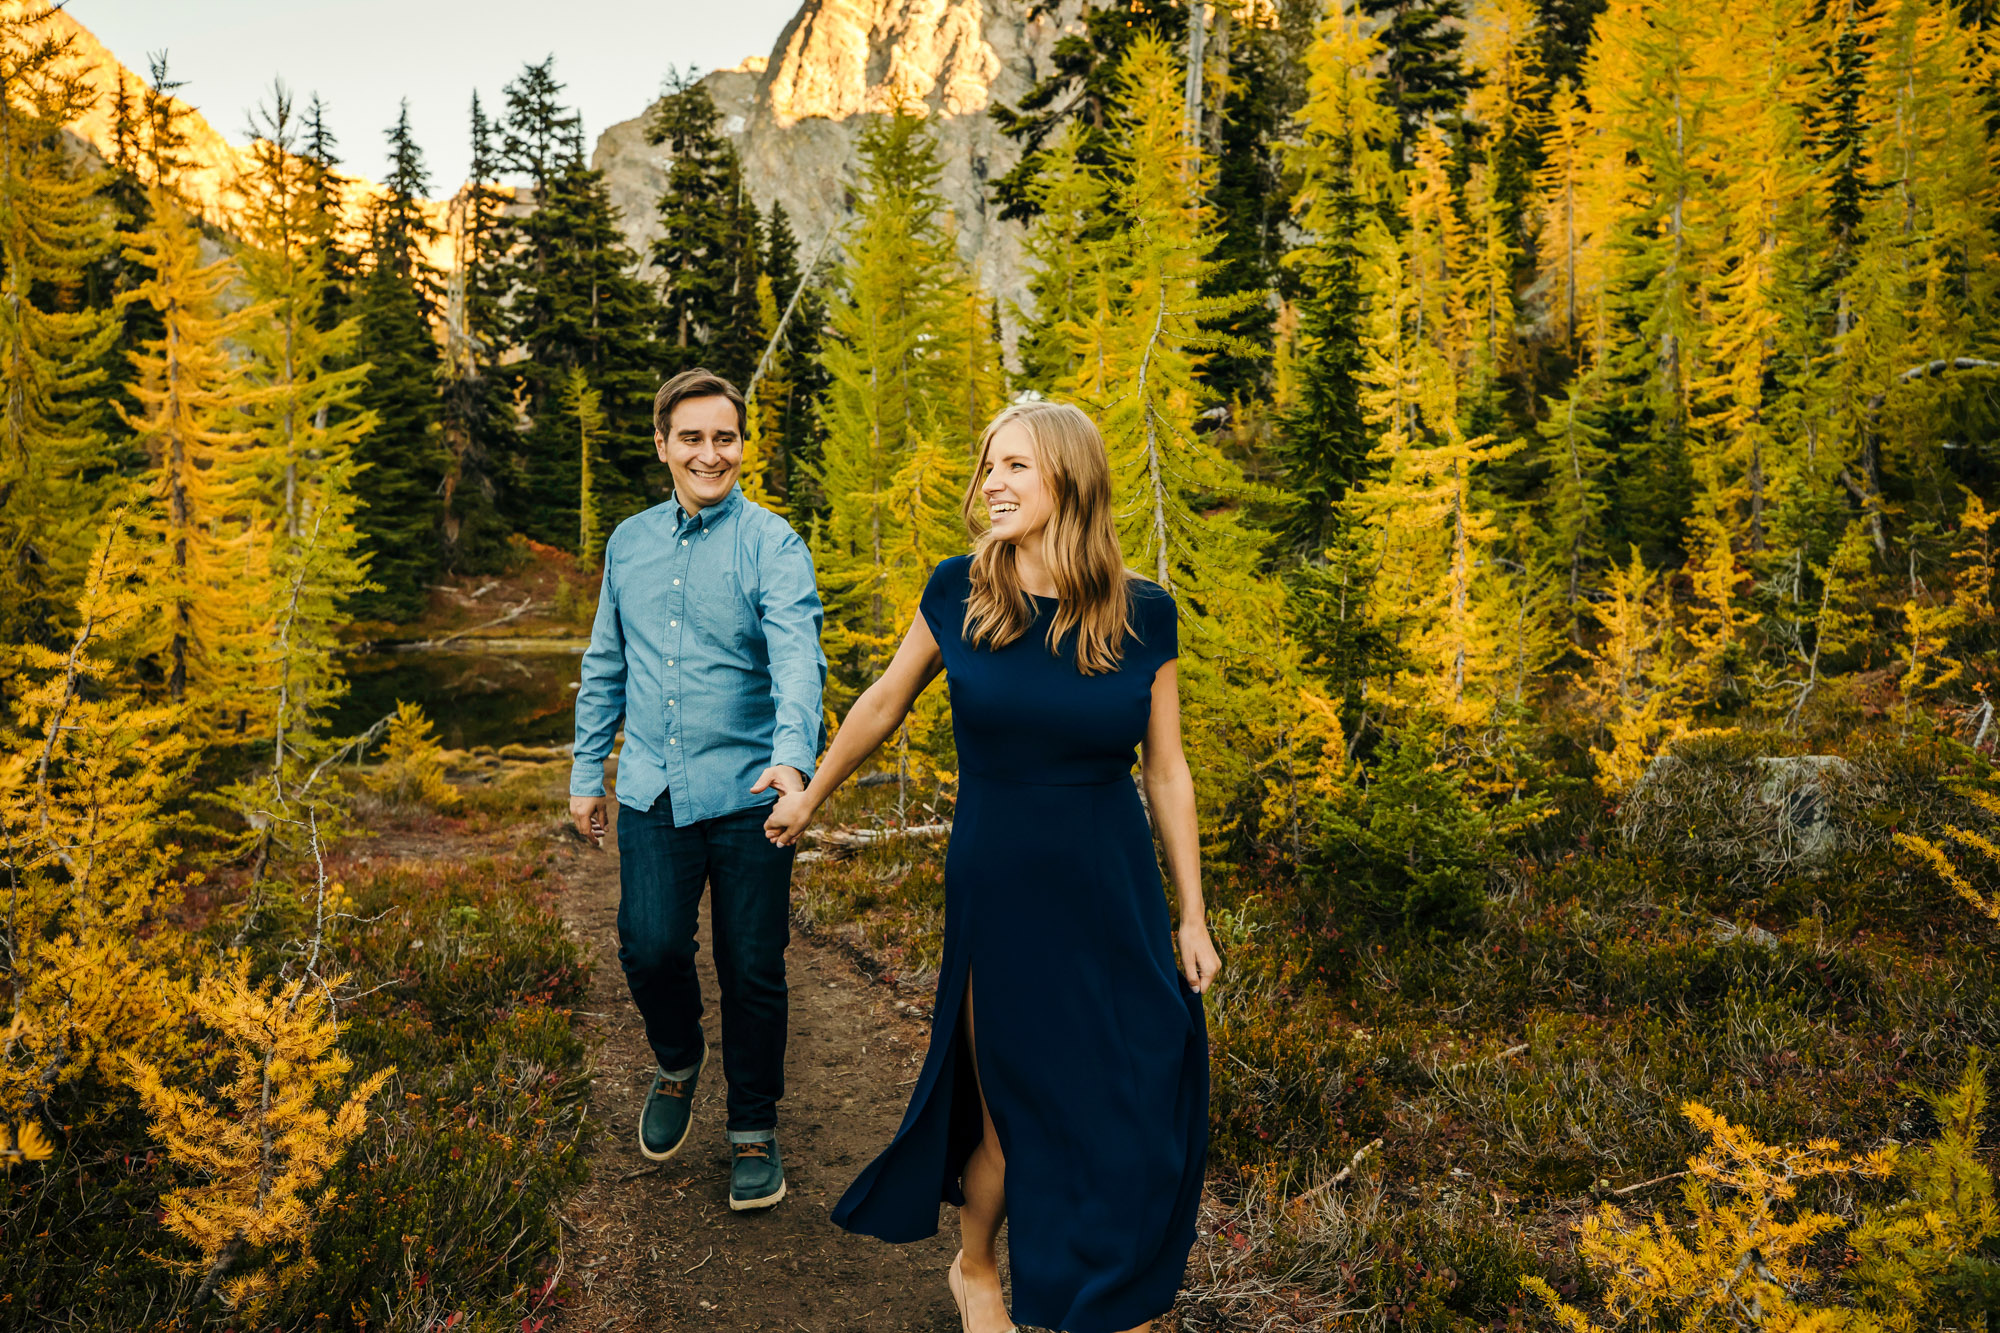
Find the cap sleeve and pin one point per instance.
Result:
(943, 602)
(1157, 619)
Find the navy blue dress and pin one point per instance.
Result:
(1092, 1048)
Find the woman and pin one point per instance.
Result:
(1066, 1086)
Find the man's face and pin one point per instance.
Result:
(703, 450)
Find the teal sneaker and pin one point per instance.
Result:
(668, 1113)
(756, 1175)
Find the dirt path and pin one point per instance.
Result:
(662, 1250)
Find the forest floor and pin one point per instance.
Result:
(656, 1247)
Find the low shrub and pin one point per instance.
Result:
(1407, 852)
(448, 1201)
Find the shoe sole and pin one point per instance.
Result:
(737, 1205)
(686, 1129)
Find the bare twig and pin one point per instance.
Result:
(642, 1171)
(1656, 1180)
(1341, 1175)
(805, 279)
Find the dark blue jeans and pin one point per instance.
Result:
(662, 871)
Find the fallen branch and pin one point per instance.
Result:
(1344, 1172)
(642, 1171)
(863, 837)
(512, 613)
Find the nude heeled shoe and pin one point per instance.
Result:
(954, 1278)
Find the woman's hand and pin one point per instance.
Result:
(789, 818)
(1199, 962)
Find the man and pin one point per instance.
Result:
(706, 646)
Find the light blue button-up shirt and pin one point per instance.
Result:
(706, 645)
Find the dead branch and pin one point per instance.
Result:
(511, 614)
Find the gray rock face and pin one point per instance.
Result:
(796, 119)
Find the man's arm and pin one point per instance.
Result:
(600, 707)
(791, 612)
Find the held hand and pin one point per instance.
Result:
(782, 776)
(1199, 962)
(789, 817)
(590, 815)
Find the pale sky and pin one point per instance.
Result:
(363, 56)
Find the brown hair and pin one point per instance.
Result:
(1080, 544)
(696, 383)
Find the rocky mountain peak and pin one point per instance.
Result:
(796, 119)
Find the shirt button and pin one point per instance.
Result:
(670, 661)
(673, 624)
(684, 541)
(673, 740)
(670, 703)
(677, 583)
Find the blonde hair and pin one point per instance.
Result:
(1080, 543)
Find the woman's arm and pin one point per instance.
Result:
(1170, 793)
(873, 719)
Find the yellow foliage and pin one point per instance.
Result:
(1908, 1247)
(1985, 904)
(265, 1140)
(193, 391)
(1644, 681)
(412, 769)
(85, 776)
(1742, 1258)
(25, 1143)
(585, 406)
(764, 411)
(1306, 774)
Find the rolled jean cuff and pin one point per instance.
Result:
(754, 1135)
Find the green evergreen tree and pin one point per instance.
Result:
(795, 422)
(306, 425)
(1426, 78)
(1343, 167)
(1250, 196)
(708, 251)
(1064, 247)
(402, 460)
(1081, 86)
(899, 359)
(588, 310)
(478, 409)
(572, 300)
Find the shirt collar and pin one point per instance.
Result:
(710, 516)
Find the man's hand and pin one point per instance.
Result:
(590, 814)
(784, 777)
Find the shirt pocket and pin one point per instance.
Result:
(722, 611)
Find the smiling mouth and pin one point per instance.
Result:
(1003, 507)
(707, 474)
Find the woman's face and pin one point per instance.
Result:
(1018, 499)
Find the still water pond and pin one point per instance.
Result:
(474, 696)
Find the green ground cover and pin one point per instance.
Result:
(1515, 1048)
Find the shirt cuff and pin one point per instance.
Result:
(586, 777)
(794, 758)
